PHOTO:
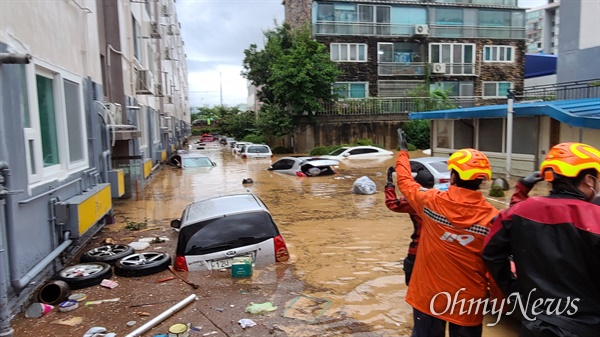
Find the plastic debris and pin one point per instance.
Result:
(246, 323)
(71, 321)
(139, 245)
(103, 301)
(219, 309)
(131, 323)
(96, 331)
(109, 284)
(260, 308)
(364, 185)
(210, 333)
(68, 305)
(37, 310)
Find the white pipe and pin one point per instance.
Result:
(158, 319)
(509, 135)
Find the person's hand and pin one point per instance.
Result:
(532, 179)
(402, 140)
(390, 180)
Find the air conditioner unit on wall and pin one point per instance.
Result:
(421, 30)
(438, 68)
(145, 82)
(113, 113)
(155, 30)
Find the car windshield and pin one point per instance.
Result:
(338, 151)
(258, 149)
(440, 166)
(197, 162)
(226, 232)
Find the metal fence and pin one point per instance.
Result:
(382, 106)
(562, 91)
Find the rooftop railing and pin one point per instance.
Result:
(562, 91)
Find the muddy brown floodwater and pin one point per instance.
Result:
(344, 277)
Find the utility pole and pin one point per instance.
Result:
(221, 87)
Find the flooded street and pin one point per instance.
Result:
(345, 248)
(344, 277)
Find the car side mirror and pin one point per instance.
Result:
(345, 154)
(213, 163)
(176, 223)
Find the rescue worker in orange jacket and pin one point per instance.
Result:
(450, 270)
(401, 205)
(555, 243)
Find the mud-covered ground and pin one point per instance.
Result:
(344, 277)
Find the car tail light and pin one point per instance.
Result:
(244, 156)
(271, 156)
(281, 251)
(180, 263)
(443, 181)
(300, 174)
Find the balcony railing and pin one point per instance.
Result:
(561, 91)
(383, 106)
(477, 32)
(399, 69)
(386, 29)
(482, 2)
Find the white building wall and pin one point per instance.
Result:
(63, 34)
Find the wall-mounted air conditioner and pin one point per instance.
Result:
(438, 68)
(421, 30)
(113, 113)
(145, 82)
(155, 30)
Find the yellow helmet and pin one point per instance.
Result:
(470, 164)
(568, 159)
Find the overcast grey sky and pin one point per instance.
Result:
(216, 32)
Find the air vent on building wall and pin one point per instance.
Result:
(421, 30)
(439, 68)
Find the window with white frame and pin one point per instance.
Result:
(137, 39)
(458, 57)
(496, 89)
(54, 126)
(349, 52)
(351, 89)
(499, 54)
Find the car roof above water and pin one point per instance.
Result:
(221, 206)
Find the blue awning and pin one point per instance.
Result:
(583, 113)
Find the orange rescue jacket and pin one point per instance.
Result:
(449, 277)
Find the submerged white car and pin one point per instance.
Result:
(214, 231)
(358, 152)
(304, 166)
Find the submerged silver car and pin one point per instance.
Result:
(304, 166)
(214, 231)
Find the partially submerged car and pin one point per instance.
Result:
(358, 152)
(214, 231)
(256, 151)
(304, 166)
(185, 160)
(437, 166)
(239, 146)
(207, 138)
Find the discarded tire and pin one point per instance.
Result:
(85, 274)
(142, 264)
(107, 253)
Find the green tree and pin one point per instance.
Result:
(301, 77)
(239, 125)
(273, 120)
(293, 76)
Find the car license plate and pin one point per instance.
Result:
(221, 264)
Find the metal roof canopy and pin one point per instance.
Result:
(583, 113)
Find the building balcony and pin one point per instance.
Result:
(512, 3)
(443, 31)
(400, 69)
(402, 105)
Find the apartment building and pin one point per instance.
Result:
(542, 24)
(93, 96)
(472, 48)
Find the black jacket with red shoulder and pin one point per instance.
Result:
(555, 243)
(401, 205)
